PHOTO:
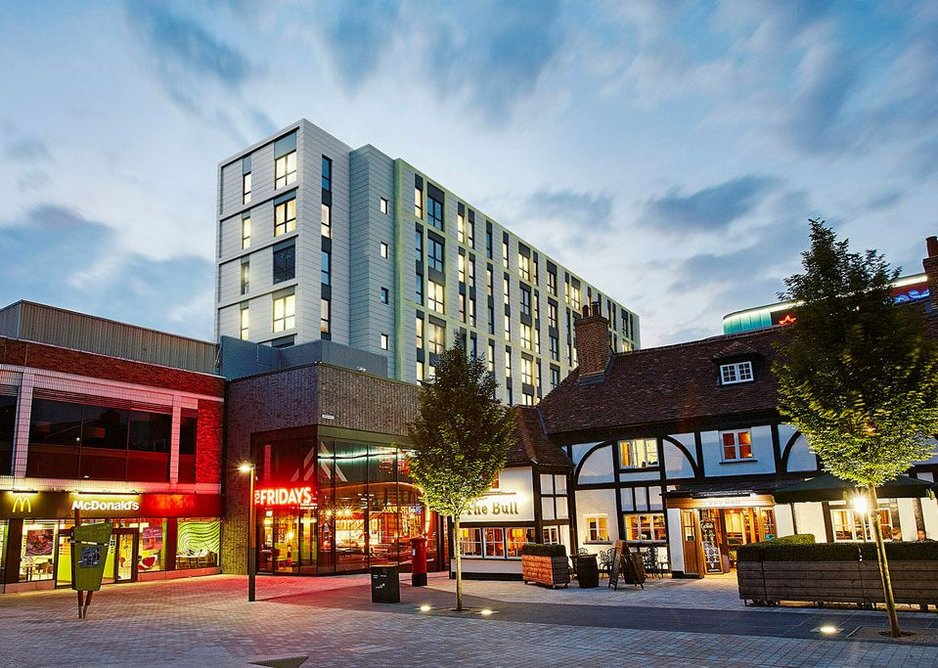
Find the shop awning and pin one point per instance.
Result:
(828, 487)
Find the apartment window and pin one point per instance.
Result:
(462, 307)
(285, 217)
(527, 371)
(739, 372)
(246, 231)
(505, 252)
(537, 341)
(525, 300)
(284, 311)
(554, 377)
(325, 267)
(418, 325)
(490, 357)
(737, 445)
(552, 282)
(418, 288)
(383, 205)
(506, 288)
(246, 188)
(645, 527)
(325, 316)
(434, 253)
(385, 296)
(552, 315)
(575, 297)
(245, 276)
(462, 267)
(461, 224)
(638, 453)
(435, 210)
(525, 336)
(383, 249)
(419, 371)
(436, 338)
(491, 320)
(418, 196)
(554, 344)
(508, 363)
(489, 282)
(524, 266)
(285, 160)
(488, 242)
(527, 399)
(284, 262)
(507, 327)
(471, 230)
(597, 528)
(472, 312)
(435, 296)
(326, 174)
(383, 341)
(325, 226)
(245, 321)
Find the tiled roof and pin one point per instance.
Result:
(670, 384)
(532, 445)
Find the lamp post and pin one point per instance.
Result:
(862, 505)
(248, 467)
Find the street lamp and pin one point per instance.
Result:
(862, 505)
(248, 467)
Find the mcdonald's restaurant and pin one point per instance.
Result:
(156, 536)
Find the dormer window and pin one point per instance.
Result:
(738, 372)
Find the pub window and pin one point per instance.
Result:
(645, 527)
(597, 528)
(737, 445)
(849, 525)
(638, 453)
(494, 542)
(551, 535)
(470, 541)
(739, 372)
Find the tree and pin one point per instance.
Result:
(858, 374)
(461, 438)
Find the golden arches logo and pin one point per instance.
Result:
(22, 504)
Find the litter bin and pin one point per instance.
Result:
(587, 571)
(385, 585)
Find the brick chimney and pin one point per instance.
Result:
(931, 269)
(593, 347)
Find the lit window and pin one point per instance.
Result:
(737, 445)
(494, 542)
(462, 267)
(490, 357)
(551, 315)
(575, 297)
(554, 344)
(383, 205)
(527, 399)
(418, 197)
(246, 188)
(384, 341)
(246, 231)
(461, 225)
(284, 262)
(507, 327)
(527, 371)
(524, 266)
(554, 377)
(740, 372)
(505, 253)
(325, 226)
(419, 372)
(285, 217)
(284, 312)
(551, 536)
(435, 296)
(383, 247)
(525, 336)
(285, 170)
(325, 316)
(597, 528)
(849, 525)
(326, 174)
(462, 308)
(552, 282)
(470, 542)
(645, 527)
(245, 276)
(245, 323)
(419, 332)
(507, 362)
(506, 288)
(638, 453)
(436, 338)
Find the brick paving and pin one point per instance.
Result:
(208, 622)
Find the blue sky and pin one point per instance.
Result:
(670, 152)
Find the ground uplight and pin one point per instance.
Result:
(828, 629)
(426, 608)
(485, 612)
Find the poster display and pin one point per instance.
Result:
(711, 547)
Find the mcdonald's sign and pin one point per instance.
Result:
(22, 504)
(19, 504)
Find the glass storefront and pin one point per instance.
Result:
(364, 512)
(198, 543)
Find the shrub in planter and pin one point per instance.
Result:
(795, 539)
(541, 550)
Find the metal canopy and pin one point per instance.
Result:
(828, 487)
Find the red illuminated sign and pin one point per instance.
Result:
(284, 496)
(789, 319)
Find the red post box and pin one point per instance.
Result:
(418, 558)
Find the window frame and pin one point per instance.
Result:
(600, 532)
(734, 373)
(288, 224)
(736, 445)
(633, 448)
(287, 303)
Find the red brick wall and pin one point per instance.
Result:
(64, 360)
(208, 442)
(592, 344)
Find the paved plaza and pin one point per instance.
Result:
(332, 621)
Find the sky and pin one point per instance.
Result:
(669, 152)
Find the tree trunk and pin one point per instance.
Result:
(883, 566)
(457, 549)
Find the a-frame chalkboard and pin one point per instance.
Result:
(623, 564)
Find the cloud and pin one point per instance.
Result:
(565, 219)
(28, 150)
(707, 210)
(56, 256)
(355, 33)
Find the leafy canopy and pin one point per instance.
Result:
(462, 434)
(858, 375)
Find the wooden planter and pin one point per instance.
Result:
(549, 571)
(768, 582)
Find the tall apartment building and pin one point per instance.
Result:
(317, 240)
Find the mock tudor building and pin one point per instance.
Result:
(103, 420)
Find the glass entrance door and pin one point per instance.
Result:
(126, 547)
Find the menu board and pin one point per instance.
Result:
(711, 548)
(616, 562)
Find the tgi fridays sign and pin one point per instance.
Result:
(284, 496)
